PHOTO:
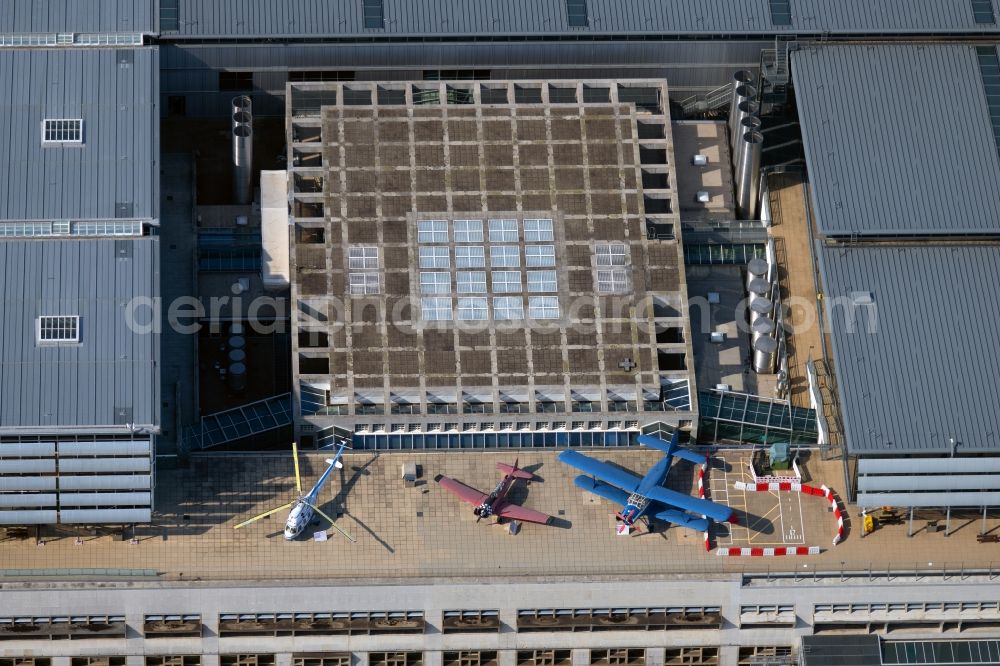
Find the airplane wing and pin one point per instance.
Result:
(682, 519)
(515, 512)
(672, 448)
(696, 505)
(470, 495)
(603, 471)
(600, 488)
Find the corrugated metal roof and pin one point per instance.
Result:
(117, 161)
(343, 18)
(77, 385)
(101, 16)
(926, 374)
(898, 139)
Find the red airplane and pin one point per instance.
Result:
(496, 504)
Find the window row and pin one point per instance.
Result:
(474, 256)
(474, 282)
(505, 308)
(471, 231)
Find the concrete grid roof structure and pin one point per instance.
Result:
(108, 378)
(111, 172)
(921, 375)
(898, 139)
(534, 286)
(370, 19)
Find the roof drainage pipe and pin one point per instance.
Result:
(242, 115)
(748, 175)
(745, 94)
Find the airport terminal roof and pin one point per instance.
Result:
(92, 16)
(898, 140)
(83, 385)
(112, 172)
(491, 18)
(925, 374)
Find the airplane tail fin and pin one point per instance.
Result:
(335, 463)
(512, 470)
(672, 448)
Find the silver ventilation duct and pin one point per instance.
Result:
(740, 78)
(765, 355)
(746, 104)
(242, 116)
(748, 175)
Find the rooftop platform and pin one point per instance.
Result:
(423, 532)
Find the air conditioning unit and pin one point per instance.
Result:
(699, 160)
(703, 196)
(718, 336)
(723, 387)
(713, 297)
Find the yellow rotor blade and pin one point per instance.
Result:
(263, 515)
(295, 457)
(332, 524)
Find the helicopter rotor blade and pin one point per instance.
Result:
(295, 457)
(262, 515)
(332, 524)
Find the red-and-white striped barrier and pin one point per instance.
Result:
(780, 551)
(765, 487)
(822, 491)
(701, 494)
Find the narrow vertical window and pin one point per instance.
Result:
(373, 14)
(576, 13)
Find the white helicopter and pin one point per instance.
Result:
(302, 508)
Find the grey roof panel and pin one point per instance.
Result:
(76, 386)
(977, 499)
(897, 139)
(875, 466)
(94, 16)
(343, 18)
(117, 161)
(924, 376)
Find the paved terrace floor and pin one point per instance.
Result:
(424, 532)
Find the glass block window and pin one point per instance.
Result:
(59, 329)
(612, 281)
(503, 231)
(541, 281)
(362, 257)
(504, 256)
(507, 308)
(470, 256)
(506, 282)
(435, 309)
(434, 257)
(471, 282)
(62, 130)
(364, 283)
(468, 231)
(435, 282)
(472, 309)
(611, 254)
(538, 230)
(543, 307)
(539, 255)
(432, 231)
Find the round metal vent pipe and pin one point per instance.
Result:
(748, 175)
(242, 117)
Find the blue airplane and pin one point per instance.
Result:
(636, 494)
